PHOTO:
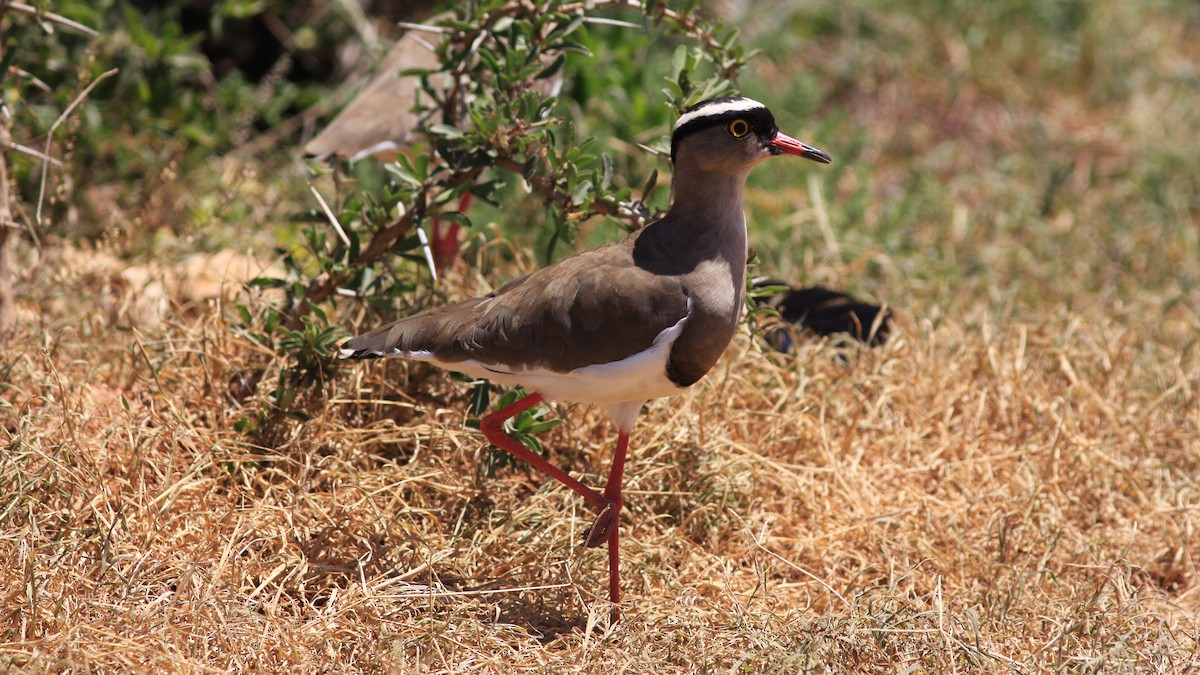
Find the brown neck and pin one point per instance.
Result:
(707, 217)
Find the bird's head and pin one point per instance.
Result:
(731, 135)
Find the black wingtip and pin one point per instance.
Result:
(347, 351)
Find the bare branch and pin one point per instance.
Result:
(601, 206)
(33, 79)
(8, 312)
(26, 150)
(690, 24)
(330, 215)
(425, 28)
(37, 218)
(48, 16)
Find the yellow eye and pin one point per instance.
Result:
(739, 128)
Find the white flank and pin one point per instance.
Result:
(717, 109)
(632, 380)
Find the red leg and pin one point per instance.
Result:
(612, 492)
(445, 245)
(614, 573)
(607, 525)
(606, 522)
(493, 429)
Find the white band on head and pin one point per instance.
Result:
(717, 109)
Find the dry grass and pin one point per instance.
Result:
(1009, 485)
(980, 495)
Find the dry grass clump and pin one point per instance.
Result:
(977, 495)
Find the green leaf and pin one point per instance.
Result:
(543, 426)
(266, 282)
(446, 131)
(455, 217)
(679, 59)
(489, 59)
(403, 174)
(416, 72)
(244, 314)
(582, 191)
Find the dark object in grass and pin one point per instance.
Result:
(825, 312)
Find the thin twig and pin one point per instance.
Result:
(601, 206)
(37, 218)
(24, 149)
(426, 28)
(48, 16)
(362, 25)
(452, 594)
(33, 79)
(696, 28)
(7, 237)
(330, 215)
(597, 21)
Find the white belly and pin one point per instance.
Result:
(620, 386)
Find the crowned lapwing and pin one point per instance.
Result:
(641, 318)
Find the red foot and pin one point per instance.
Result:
(607, 524)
